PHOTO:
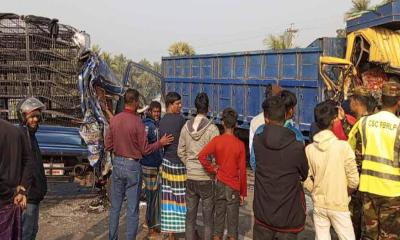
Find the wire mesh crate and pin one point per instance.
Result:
(39, 58)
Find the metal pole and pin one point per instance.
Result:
(28, 60)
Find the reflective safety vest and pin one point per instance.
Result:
(380, 171)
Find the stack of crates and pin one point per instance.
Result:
(39, 58)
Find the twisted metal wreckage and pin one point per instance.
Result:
(96, 73)
(96, 80)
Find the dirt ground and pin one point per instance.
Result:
(65, 214)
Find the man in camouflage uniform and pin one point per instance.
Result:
(381, 217)
(380, 172)
(361, 104)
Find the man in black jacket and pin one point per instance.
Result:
(281, 165)
(29, 113)
(15, 177)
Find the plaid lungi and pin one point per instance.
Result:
(173, 206)
(150, 177)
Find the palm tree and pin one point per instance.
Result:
(358, 6)
(107, 57)
(96, 48)
(340, 33)
(118, 65)
(145, 62)
(181, 49)
(279, 42)
(157, 67)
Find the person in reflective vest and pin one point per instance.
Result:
(380, 171)
(362, 104)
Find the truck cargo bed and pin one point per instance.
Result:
(238, 79)
(387, 16)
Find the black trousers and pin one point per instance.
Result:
(263, 233)
(196, 190)
(227, 201)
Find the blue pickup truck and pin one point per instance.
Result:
(64, 153)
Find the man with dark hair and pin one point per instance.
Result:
(197, 133)
(257, 121)
(281, 166)
(173, 98)
(151, 163)
(155, 110)
(362, 103)
(289, 100)
(230, 171)
(173, 206)
(331, 177)
(379, 180)
(127, 139)
(131, 96)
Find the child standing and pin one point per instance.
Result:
(230, 171)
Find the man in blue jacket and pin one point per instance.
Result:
(151, 162)
(290, 101)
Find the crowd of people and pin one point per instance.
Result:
(181, 162)
(350, 168)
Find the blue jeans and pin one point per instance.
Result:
(30, 222)
(125, 181)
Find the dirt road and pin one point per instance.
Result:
(64, 214)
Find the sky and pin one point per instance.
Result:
(146, 28)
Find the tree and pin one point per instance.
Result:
(107, 57)
(341, 33)
(282, 41)
(147, 84)
(118, 65)
(358, 6)
(279, 42)
(96, 48)
(145, 62)
(181, 49)
(157, 67)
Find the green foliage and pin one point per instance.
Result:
(279, 42)
(181, 49)
(341, 33)
(147, 84)
(358, 7)
(118, 65)
(96, 48)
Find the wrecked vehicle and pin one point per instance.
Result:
(101, 94)
(38, 57)
(43, 58)
(329, 68)
(372, 55)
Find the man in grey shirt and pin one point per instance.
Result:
(197, 133)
